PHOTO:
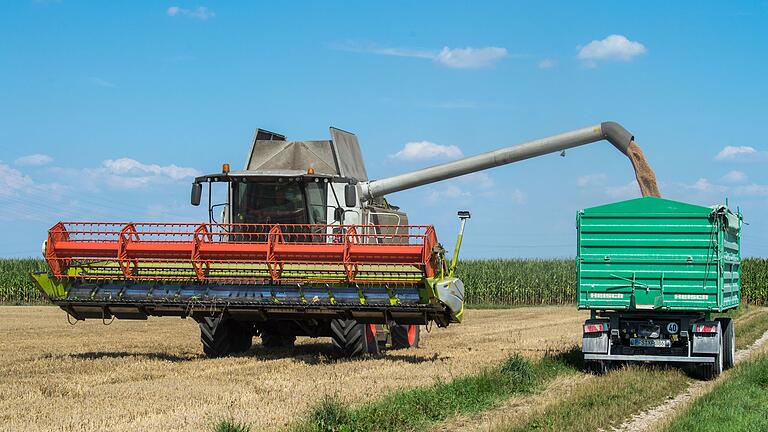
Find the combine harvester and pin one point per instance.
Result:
(307, 246)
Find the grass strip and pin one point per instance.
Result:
(750, 329)
(417, 409)
(231, 426)
(740, 403)
(607, 400)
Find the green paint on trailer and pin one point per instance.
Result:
(657, 254)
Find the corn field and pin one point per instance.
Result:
(518, 281)
(492, 282)
(16, 285)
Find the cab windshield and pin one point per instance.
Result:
(279, 202)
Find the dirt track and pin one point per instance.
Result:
(151, 376)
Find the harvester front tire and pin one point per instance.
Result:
(372, 340)
(218, 336)
(274, 339)
(404, 335)
(350, 338)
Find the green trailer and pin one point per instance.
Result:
(652, 272)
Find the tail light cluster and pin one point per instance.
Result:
(595, 327)
(705, 328)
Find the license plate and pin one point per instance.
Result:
(650, 343)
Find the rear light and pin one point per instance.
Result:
(595, 327)
(705, 328)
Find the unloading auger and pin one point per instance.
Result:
(307, 245)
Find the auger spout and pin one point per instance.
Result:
(610, 131)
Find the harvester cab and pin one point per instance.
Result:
(306, 245)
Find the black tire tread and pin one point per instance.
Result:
(216, 334)
(349, 339)
(274, 339)
(729, 340)
(596, 367)
(399, 336)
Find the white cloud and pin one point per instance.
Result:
(752, 190)
(470, 58)
(734, 177)
(458, 58)
(449, 192)
(627, 191)
(101, 82)
(135, 170)
(546, 64)
(13, 181)
(123, 173)
(462, 190)
(425, 150)
(704, 185)
(591, 180)
(613, 47)
(397, 52)
(200, 12)
(741, 154)
(36, 159)
(479, 180)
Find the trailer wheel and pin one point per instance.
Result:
(729, 342)
(350, 338)
(404, 335)
(709, 371)
(596, 367)
(218, 336)
(274, 339)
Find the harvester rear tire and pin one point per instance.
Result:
(243, 337)
(404, 335)
(274, 339)
(218, 336)
(350, 338)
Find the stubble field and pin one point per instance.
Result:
(151, 375)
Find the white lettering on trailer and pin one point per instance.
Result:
(606, 295)
(691, 296)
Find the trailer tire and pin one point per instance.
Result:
(218, 336)
(350, 338)
(596, 367)
(404, 335)
(710, 371)
(729, 342)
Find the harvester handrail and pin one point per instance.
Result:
(273, 253)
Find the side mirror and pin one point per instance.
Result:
(338, 214)
(350, 195)
(197, 192)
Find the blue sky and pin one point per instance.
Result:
(109, 108)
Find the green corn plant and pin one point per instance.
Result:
(489, 282)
